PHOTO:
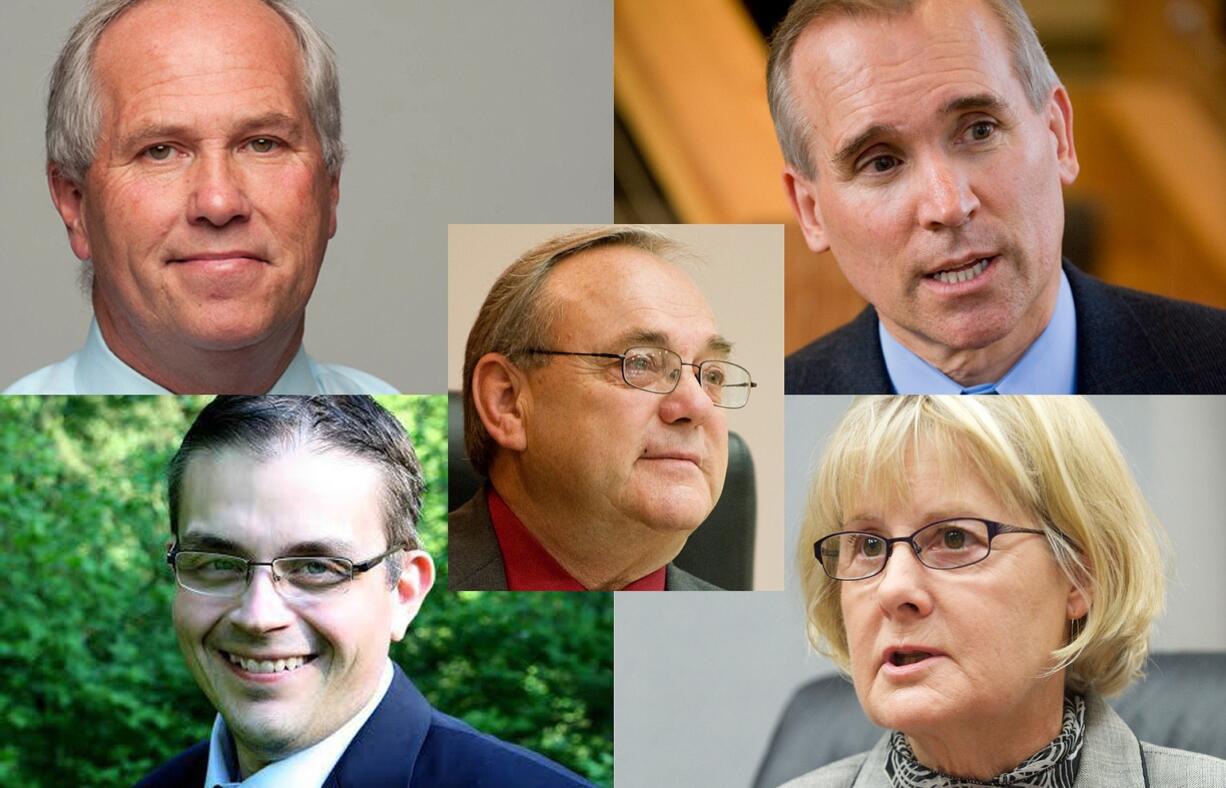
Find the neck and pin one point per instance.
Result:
(987, 746)
(988, 364)
(184, 369)
(601, 549)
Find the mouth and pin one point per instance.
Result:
(236, 256)
(670, 456)
(900, 658)
(966, 271)
(268, 666)
(906, 659)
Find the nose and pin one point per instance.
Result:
(261, 608)
(946, 199)
(687, 402)
(218, 195)
(902, 586)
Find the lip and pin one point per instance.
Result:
(955, 263)
(678, 456)
(235, 255)
(915, 668)
(970, 286)
(263, 678)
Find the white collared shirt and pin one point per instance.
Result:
(304, 769)
(95, 369)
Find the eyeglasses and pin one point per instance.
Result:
(946, 544)
(658, 370)
(295, 577)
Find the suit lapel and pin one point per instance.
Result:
(474, 560)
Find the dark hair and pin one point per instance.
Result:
(270, 425)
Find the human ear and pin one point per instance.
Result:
(802, 194)
(68, 199)
(1060, 123)
(1078, 602)
(334, 197)
(498, 386)
(416, 580)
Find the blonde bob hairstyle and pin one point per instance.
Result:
(1051, 458)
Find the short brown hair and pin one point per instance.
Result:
(1030, 62)
(516, 315)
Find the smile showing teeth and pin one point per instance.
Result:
(962, 274)
(266, 666)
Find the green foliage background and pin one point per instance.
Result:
(93, 690)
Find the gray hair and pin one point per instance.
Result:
(1030, 62)
(74, 117)
(517, 316)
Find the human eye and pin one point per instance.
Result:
(955, 537)
(264, 145)
(980, 131)
(315, 571)
(642, 361)
(159, 152)
(714, 374)
(213, 565)
(866, 545)
(882, 164)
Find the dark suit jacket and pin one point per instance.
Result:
(474, 560)
(406, 743)
(1127, 343)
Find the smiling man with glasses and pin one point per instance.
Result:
(595, 391)
(297, 561)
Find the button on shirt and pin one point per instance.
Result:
(306, 769)
(94, 369)
(1049, 365)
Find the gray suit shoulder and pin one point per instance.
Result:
(1168, 766)
(839, 774)
(677, 579)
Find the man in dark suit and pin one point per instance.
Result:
(297, 564)
(927, 148)
(595, 388)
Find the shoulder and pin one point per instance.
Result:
(52, 379)
(848, 360)
(833, 775)
(1168, 766)
(335, 379)
(456, 754)
(677, 579)
(1131, 342)
(186, 768)
(474, 559)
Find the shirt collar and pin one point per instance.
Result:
(306, 768)
(100, 370)
(530, 567)
(1049, 365)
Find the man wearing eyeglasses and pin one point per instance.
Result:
(595, 392)
(297, 563)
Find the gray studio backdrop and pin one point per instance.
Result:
(483, 111)
(700, 679)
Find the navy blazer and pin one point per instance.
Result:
(1128, 342)
(406, 743)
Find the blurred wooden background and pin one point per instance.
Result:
(694, 141)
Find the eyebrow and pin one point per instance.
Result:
(635, 337)
(313, 547)
(272, 121)
(845, 157)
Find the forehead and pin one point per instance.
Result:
(301, 494)
(603, 294)
(850, 73)
(213, 52)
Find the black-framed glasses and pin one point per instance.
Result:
(658, 370)
(294, 577)
(945, 544)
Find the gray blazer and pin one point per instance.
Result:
(474, 560)
(1111, 757)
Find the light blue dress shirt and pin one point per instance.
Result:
(1049, 365)
(94, 369)
(305, 769)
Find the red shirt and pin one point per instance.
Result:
(530, 567)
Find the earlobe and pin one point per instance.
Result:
(69, 202)
(1060, 121)
(802, 194)
(416, 580)
(498, 387)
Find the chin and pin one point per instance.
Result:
(224, 332)
(678, 510)
(909, 709)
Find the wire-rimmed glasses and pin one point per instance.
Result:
(295, 577)
(658, 370)
(945, 544)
